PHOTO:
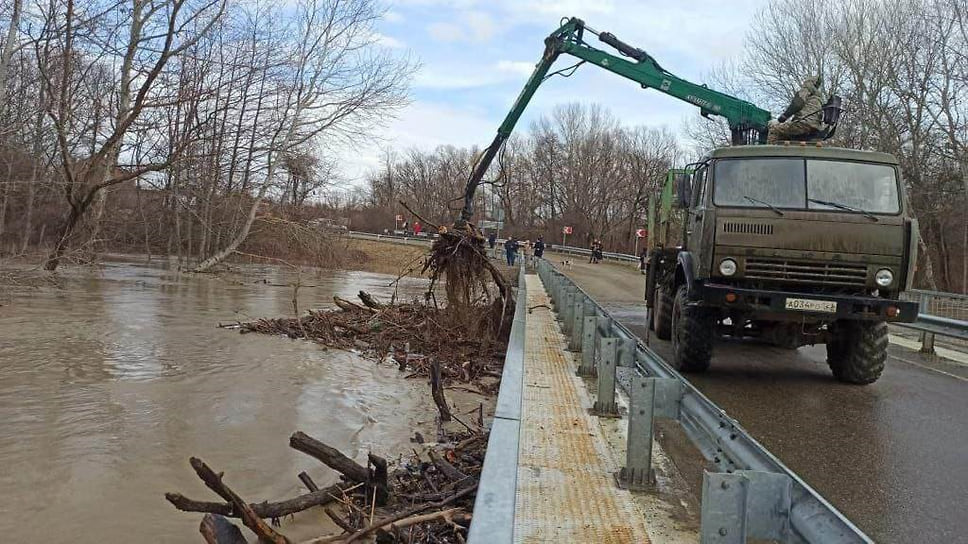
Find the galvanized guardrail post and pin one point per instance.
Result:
(927, 338)
(577, 324)
(568, 308)
(637, 472)
(586, 367)
(607, 361)
(745, 504)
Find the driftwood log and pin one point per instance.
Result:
(368, 301)
(216, 529)
(262, 509)
(330, 456)
(251, 520)
(437, 390)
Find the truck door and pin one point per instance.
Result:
(696, 213)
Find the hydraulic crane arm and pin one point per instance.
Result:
(747, 123)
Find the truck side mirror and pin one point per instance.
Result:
(683, 190)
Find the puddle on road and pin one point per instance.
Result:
(108, 385)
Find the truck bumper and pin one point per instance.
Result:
(775, 302)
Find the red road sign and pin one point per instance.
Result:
(399, 217)
(566, 230)
(641, 233)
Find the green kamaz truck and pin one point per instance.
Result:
(793, 244)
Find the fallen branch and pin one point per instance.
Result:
(444, 466)
(380, 523)
(437, 390)
(255, 523)
(216, 529)
(368, 300)
(330, 456)
(262, 509)
(348, 306)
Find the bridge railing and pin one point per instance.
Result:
(750, 493)
(939, 313)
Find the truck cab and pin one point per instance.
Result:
(792, 244)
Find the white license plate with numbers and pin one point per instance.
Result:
(808, 305)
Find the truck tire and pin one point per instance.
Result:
(662, 320)
(693, 332)
(857, 351)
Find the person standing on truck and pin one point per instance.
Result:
(803, 116)
(511, 250)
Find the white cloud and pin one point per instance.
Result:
(393, 17)
(445, 32)
(516, 67)
(469, 26)
(388, 41)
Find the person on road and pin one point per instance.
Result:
(528, 254)
(491, 239)
(417, 227)
(539, 247)
(596, 255)
(803, 116)
(511, 250)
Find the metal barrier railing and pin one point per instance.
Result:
(752, 494)
(939, 313)
(494, 506)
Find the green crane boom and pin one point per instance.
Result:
(747, 123)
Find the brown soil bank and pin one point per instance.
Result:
(383, 257)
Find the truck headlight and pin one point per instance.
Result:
(727, 267)
(884, 277)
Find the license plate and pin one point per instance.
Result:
(806, 304)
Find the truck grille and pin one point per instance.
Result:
(806, 272)
(747, 228)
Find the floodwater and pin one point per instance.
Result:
(109, 384)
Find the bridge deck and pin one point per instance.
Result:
(566, 491)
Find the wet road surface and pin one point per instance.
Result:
(892, 456)
(110, 383)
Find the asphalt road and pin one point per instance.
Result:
(892, 456)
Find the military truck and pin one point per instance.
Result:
(793, 244)
(796, 244)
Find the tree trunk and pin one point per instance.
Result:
(8, 47)
(240, 237)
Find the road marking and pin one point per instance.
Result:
(932, 369)
(955, 357)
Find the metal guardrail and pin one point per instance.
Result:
(939, 313)
(494, 506)
(753, 494)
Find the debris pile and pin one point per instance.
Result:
(414, 335)
(423, 497)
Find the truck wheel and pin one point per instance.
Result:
(663, 314)
(857, 351)
(693, 331)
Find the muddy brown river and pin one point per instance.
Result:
(110, 383)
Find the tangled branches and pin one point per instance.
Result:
(413, 334)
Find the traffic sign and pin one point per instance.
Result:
(641, 233)
(566, 230)
(399, 217)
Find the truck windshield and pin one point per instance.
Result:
(799, 184)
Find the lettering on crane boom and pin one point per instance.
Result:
(703, 103)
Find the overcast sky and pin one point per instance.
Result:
(476, 55)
